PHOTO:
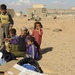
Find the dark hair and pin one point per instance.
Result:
(13, 31)
(31, 38)
(3, 6)
(37, 23)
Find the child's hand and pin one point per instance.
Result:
(7, 39)
(39, 29)
(40, 33)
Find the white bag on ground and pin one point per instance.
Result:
(2, 61)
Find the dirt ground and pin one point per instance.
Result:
(58, 44)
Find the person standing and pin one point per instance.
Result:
(37, 33)
(6, 19)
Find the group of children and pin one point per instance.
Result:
(25, 42)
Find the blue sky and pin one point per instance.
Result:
(19, 5)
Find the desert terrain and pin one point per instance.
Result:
(58, 44)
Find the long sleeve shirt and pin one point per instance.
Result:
(14, 40)
(33, 51)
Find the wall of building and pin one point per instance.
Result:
(44, 12)
(60, 11)
(36, 11)
(39, 6)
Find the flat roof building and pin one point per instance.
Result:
(39, 6)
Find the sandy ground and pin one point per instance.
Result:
(58, 44)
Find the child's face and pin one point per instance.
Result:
(3, 11)
(23, 33)
(11, 34)
(38, 26)
(29, 42)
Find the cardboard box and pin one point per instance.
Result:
(19, 70)
(6, 66)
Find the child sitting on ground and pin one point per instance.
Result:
(32, 51)
(12, 41)
(23, 46)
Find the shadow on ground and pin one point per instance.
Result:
(44, 51)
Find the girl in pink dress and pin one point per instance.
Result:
(37, 33)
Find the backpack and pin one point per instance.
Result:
(32, 62)
(7, 56)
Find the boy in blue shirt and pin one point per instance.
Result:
(32, 48)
